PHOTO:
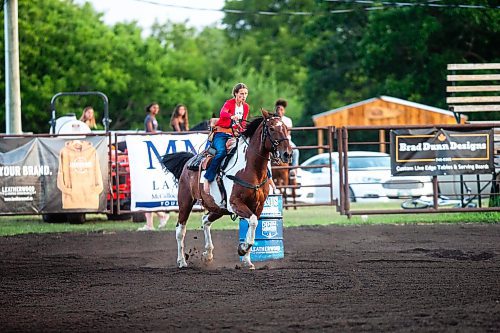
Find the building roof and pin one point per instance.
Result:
(387, 99)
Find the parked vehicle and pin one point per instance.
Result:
(369, 178)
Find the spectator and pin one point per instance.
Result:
(280, 108)
(151, 126)
(180, 119)
(150, 122)
(88, 117)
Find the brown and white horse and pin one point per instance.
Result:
(245, 181)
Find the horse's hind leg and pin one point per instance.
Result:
(180, 231)
(206, 223)
(180, 234)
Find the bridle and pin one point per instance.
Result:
(274, 143)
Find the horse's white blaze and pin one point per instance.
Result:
(209, 246)
(180, 234)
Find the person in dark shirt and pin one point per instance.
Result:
(180, 119)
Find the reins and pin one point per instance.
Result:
(247, 185)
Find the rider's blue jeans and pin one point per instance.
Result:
(219, 143)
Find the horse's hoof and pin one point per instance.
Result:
(248, 265)
(243, 248)
(207, 256)
(182, 263)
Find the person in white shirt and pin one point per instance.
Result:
(280, 109)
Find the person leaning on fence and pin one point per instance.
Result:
(151, 126)
(280, 108)
(232, 120)
(180, 119)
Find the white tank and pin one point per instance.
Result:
(68, 124)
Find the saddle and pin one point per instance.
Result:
(205, 157)
(201, 162)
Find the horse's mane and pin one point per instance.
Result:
(252, 127)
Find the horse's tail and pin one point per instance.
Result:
(175, 162)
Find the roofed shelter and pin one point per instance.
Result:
(384, 111)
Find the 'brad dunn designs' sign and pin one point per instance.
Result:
(430, 152)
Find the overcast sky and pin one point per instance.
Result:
(146, 11)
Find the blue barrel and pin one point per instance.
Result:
(273, 207)
(269, 233)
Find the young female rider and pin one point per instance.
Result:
(232, 119)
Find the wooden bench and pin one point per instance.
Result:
(476, 88)
(465, 95)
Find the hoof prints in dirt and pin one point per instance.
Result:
(453, 254)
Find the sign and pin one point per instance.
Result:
(431, 152)
(273, 206)
(53, 175)
(152, 188)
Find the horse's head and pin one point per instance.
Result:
(275, 137)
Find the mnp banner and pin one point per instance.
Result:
(440, 152)
(53, 175)
(152, 188)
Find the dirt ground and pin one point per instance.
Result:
(368, 278)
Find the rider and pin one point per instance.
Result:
(232, 120)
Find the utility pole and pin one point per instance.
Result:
(12, 81)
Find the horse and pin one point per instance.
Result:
(284, 180)
(244, 179)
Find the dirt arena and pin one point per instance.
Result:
(369, 278)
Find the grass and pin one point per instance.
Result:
(14, 225)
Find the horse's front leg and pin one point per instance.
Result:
(180, 234)
(244, 249)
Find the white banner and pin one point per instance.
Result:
(152, 188)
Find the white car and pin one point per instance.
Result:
(369, 178)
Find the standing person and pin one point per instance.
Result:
(88, 117)
(150, 122)
(180, 119)
(151, 126)
(280, 108)
(232, 119)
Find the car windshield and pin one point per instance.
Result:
(369, 162)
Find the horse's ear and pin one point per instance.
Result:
(264, 112)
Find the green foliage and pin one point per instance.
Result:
(400, 52)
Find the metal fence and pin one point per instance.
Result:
(329, 179)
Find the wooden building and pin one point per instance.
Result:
(384, 111)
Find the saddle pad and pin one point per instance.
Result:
(194, 165)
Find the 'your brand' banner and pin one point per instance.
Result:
(152, 188)
(53, 175)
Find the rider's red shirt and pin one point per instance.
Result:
(228, 110)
